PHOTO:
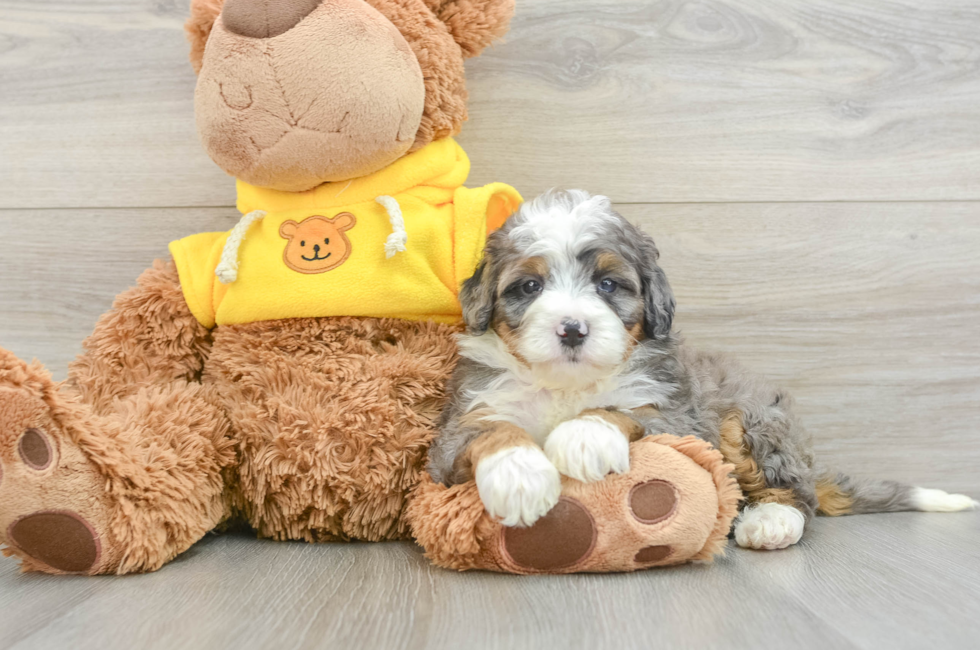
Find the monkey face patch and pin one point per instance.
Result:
(317, 244)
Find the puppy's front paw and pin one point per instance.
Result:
(518, 485)
(769, 526)
(588, 448)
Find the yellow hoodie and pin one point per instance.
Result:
(397, 243)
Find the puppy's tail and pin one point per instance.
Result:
(842, 495)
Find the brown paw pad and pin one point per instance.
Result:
(651, 554)
(35, 449)
(62, 540)
(653, 501)
(561, 539)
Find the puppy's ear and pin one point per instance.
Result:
(478, 297)
(658, 297)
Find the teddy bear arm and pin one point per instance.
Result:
(148, 338)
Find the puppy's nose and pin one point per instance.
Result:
(316, 248)
(572, 333)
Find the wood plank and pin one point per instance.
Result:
(878, 579)
(98, 107)
(672, 101)
(233, 592)
(62, 268)
(897, 581)
(868, 313)
(734, 100)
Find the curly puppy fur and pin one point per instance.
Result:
(441, 33)
(551, 265)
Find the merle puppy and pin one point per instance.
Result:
(569, 338)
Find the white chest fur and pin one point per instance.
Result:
(519, 396)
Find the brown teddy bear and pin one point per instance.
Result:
(289, 372)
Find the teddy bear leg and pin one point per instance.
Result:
(121, 471)
(675, 504)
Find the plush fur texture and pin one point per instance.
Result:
(303, 107)
(148, 338)
(198, 28)
(265, 18)
(309, 429)
(457, 532)
(332, 418)
(157, 457)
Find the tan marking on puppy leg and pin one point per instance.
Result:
(496, 437)
(630, 428)
(833, 501)
(750, 478)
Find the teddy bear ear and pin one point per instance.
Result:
(288, 229)
(344, 221)
(198, 27)
(474, 24)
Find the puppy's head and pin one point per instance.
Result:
(570, 286)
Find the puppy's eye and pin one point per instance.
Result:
(531, 286)
(607, 286)
(327, 241)
(303, 243)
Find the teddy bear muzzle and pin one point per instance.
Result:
(265, 18)
(296, 93)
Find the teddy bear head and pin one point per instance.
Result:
(295, 93)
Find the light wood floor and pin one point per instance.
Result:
(811, 172)
(903, 581)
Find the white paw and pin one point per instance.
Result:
(518, 485)
(769, 526)
(928, 500)
(588, 448)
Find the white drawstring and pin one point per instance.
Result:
(395, 243)
(227, 269)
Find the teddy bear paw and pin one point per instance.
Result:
(50, 494)
(568, 536)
